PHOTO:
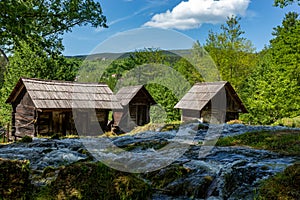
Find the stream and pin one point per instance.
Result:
(206, 172)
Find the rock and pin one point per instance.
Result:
(45, 152)
(14, 179)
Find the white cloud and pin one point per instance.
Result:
(193, 13)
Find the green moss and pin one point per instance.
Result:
(94, 181)
(285, 142)
(146, 145)
(284, 185)
(48, 170)
(163, 177)
(14, 179)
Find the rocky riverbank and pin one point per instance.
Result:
(220, 173)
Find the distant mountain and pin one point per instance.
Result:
(113, 56)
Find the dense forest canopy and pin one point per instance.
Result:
(268, 81)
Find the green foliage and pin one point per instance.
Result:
(283, 3)
(233, 54)
(42, 22)
(166, 99)
(33, 62)
(26, 139)
(284, 185)
(290, 122)
(188, 71)
(284, 142)
(3, 63)
(272, 92)
(201, 63)
(167, 78)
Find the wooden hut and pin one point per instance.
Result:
(210, 100)
(136, 102)
(44, 107)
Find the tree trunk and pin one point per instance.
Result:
(4, 55)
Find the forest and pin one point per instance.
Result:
(268, 81)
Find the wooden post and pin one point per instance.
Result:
(3, 135)
(7, 133)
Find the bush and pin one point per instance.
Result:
(290, 122)
(26, 139)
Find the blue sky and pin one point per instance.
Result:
(180, 21)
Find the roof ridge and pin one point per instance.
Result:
(211, 83)
(61, 82)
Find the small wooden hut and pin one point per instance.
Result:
(136, 102)
(44, 107)
(211, 100)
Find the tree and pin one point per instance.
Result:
(43, 21)
(233, 54)
(203, 67)
(273, 91)
(285, 47)
(34, 64)
(283, 3)
(3, 63)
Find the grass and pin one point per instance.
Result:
(285, 142)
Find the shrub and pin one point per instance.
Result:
(26, 139)
(290, 122)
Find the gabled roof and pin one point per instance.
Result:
(53, 94)
(201, 93)
(126, 94)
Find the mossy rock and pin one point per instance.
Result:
(163, 177)
(94, 181)
(283, 185)
(14, 179)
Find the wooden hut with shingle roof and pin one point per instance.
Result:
(211, 99)
(136, 102)
(44, 107)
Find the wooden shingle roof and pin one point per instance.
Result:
(201, 93)
(126, 94)
(53, 94)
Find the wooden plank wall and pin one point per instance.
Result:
(24, 117)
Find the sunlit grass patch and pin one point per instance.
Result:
(286, 142)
